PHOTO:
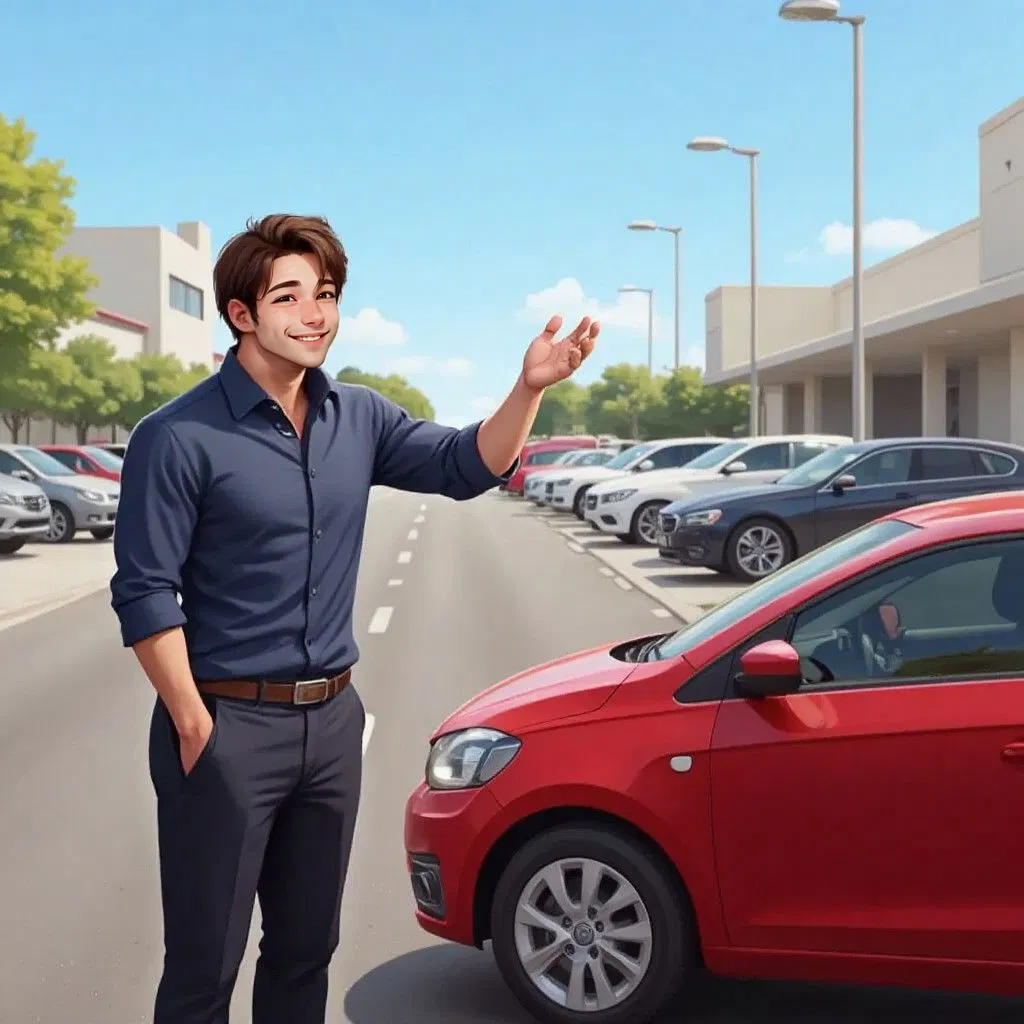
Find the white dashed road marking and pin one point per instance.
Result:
(622, 584)
(380, 620)
(605, 571)
(404, 557)
(420, 519)
(413, 534)
(371, 721)
(573, 546)
(394, 583)
(662, 613)
(423, 508)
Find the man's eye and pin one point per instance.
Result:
(327, 294)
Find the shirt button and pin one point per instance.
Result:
(313, 592)
(318, 534)
(312, 472)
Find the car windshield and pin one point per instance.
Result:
(820, 468)
(770, 587)
(625, 459)
(108, 460)
(43, 463)
(713, 456)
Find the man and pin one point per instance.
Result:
(237, 546)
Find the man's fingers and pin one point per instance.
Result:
(553, 326)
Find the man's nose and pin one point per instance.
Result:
(311, 312)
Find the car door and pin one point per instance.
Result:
(878, 810)
(765, 463)
(883, 485)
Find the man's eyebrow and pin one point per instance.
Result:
(297, 284)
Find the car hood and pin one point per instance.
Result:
(590, 474)
(19, 488)
(732, 496)
(577, 684)
(86, 482)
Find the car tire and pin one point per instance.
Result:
(773, 540)
(62, 524)
(10, 545)
(103, 533)
(636, 524)
(664, 916)
(577, 502)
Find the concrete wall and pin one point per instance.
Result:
(1001, 187)
(128, 342)
(187, 256)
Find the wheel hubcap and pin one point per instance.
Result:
(58, 525)
(583, 934)
(760, 550)
(647, 525)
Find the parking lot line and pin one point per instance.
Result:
(404, 557)
(394, 583)
(413, 534)
(420, 519)
(371, 721)
(623, 584)
(605, 571)
(573, 546)
(661, 613)
(380, 620)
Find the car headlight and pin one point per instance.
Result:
(7, 499)
(563, 482)
(619, 495)
(706, 518)
(92, 495)
(469, 758)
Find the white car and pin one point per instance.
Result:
(533, 488)
(628, 508)
(566, 490)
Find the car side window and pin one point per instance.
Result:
(672, 456)
(68, 459)
(953, 613)
(8, 464)
(804, 451)
(995, 464)
(886, 467)
(940, 463)
(764, 457)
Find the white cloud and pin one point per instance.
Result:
(368, 327)
(887, 234)
(628, 312)
(423, 366)
(483, 404)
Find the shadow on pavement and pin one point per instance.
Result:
(453, 985)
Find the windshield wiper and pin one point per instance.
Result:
(648, 647)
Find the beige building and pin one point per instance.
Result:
(943, 325)
(155, 296)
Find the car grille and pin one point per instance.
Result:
(668, 524)
(549, 488)
(591, 502)
(34, 503)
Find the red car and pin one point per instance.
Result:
(86, 459)
(542, 453)
(821, 779)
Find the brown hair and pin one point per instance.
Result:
(244, 264)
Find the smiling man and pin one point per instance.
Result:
(237, 547)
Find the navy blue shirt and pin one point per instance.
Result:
(259, 532)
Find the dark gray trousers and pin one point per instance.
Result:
(268, 810)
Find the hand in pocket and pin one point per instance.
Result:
(193, 745)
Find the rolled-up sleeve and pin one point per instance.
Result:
(156, 516)
(428, 458)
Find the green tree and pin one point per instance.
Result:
(725, 410)
(32, 390)
(41, 292)
(393, 387)
(624, 397)
(162, 378)
(562, 409)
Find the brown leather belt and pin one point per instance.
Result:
(307, 691)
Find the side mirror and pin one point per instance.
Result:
(735, 467)
(843, 483)
(22, 474)
(771, 669)
(645, 466)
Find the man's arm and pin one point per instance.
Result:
(157, 513)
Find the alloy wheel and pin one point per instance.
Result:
(760, 550)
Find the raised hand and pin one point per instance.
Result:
(547, 360)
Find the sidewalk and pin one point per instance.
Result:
(687, 593)
(41, 577)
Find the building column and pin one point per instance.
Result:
(869, 401)
(1017, 385)
(812, 405)
(933, 393)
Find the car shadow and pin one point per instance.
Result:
(455, 985)
(712, 582)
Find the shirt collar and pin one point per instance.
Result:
(244, 394)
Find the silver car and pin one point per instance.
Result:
(24, 513)
(78, 501)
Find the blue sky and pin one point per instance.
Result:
(472, 154)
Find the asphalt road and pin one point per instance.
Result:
(485, 591)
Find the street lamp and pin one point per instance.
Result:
(649, 292)
(828, 10)
(649, 225)
(713, 144)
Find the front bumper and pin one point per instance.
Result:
(94, 515)
(558, 497)
(611, 518)
(445, 842)
(691, 545)
(16, 522)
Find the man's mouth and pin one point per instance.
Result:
(310, 339)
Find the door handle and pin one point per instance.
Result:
(1013, 753)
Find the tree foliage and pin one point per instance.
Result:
(394, 387)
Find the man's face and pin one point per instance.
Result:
(297, 316)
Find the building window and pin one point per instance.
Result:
(186, 298)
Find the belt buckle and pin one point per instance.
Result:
(304, 686)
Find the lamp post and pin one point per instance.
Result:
(649, 292)
(711, 144)
(828, 10)
(649, 225)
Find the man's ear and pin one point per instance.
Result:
(240, 315)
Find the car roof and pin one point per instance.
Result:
(951, 442)
(977, 513)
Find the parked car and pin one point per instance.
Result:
(24, 513)
(629, 508)
(755, 531)
(818, 780)
(567, 491)
(533, 485)
(543, 453)
(114, 447)
(77, 502)
(89, 459)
